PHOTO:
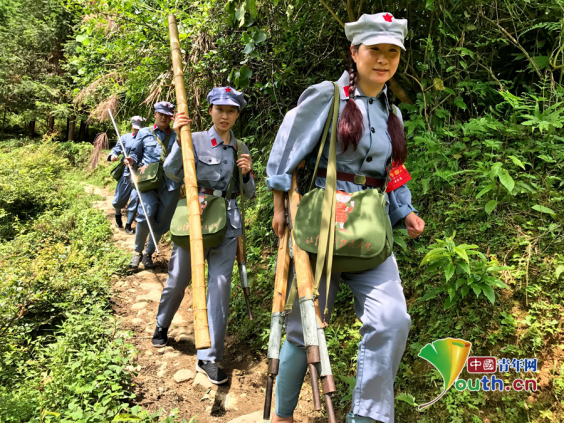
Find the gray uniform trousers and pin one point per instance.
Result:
(160, 204)
(125, 190)
(380, 306)
(221, 260)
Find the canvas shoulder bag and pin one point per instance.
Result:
(346, 232)
(118, 169)
(150, 176)
(213, 215)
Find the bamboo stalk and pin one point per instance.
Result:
(201, 328)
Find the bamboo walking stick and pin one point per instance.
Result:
(277, 317)
(201, 328)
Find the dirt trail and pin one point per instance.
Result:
(167, 377)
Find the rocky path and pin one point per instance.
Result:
(166, 377)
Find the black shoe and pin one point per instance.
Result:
(148, 262)
(212, 371)
(160, 337)
(119, 223)
(128, 229)
(134, 263)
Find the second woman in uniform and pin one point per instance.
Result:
(216, 165)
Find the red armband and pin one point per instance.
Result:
(398, 176)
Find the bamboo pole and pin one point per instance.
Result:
(201, 328)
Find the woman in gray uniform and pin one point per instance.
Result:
(214, 154)
(370, 134)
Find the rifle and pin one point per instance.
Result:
(201, 328)
(312, 324)
(243, 275)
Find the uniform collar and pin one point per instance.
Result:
(343, 84)
(215, 139)
(133, 134)
(155, 127)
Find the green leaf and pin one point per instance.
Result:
(126, 417)
(485, 190)
(559, 271)
(400, 242)
(465, 267)
(517, 162)
(506, 180)
(488, 292)
(462, 254)
(407, 398)
(432, 293)
(81, 38)
(490, 206)
(449, 271)
(464, 291)
(543, 209)
(477, 290)
(460, 103)
(259, 37)
(249, 48)
(449, 302)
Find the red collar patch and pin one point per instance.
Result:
(346, 90)
(388, 17)
(214, 142)
(134, 134)
(155, 127)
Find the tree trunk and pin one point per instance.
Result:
(31, 128)
(51, 124)
(81, 131)
(68, 127)
(4, 119)
(72, 122)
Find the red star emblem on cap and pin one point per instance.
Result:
(228, 90)
(388, 17)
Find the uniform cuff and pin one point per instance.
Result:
(396, 218)
(279, 182)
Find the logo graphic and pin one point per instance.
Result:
(482, 365)
(449, 357)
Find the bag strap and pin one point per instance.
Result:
(327, 228)
(231, 184)
(241, 203)
(322, 144)
(162, 143)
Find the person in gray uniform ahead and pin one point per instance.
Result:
(125, 190)
(215, 154)
(370, 138)
(161, 201)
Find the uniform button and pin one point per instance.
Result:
(225, 147)
(372, 130)
(222, 178)
(369, 159)
(225, 162)
(209, 161)
(371, 101)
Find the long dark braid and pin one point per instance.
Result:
(351, 123)
(396, 131)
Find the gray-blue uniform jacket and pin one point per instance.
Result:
(128, 141)
(214, 166)
(299, 135)
(148, 150)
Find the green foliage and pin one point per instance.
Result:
(462, 272)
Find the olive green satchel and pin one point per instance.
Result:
(348, 232)
(213, 216)
(117, 170)
(150, 176)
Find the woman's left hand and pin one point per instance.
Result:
(414, 224)
(245, 163)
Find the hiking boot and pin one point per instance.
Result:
(134, 263)
(212, 371)
(148, 262)
(119, 223)
(128, 229)
(160, 337)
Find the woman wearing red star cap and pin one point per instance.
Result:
(370, 138)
